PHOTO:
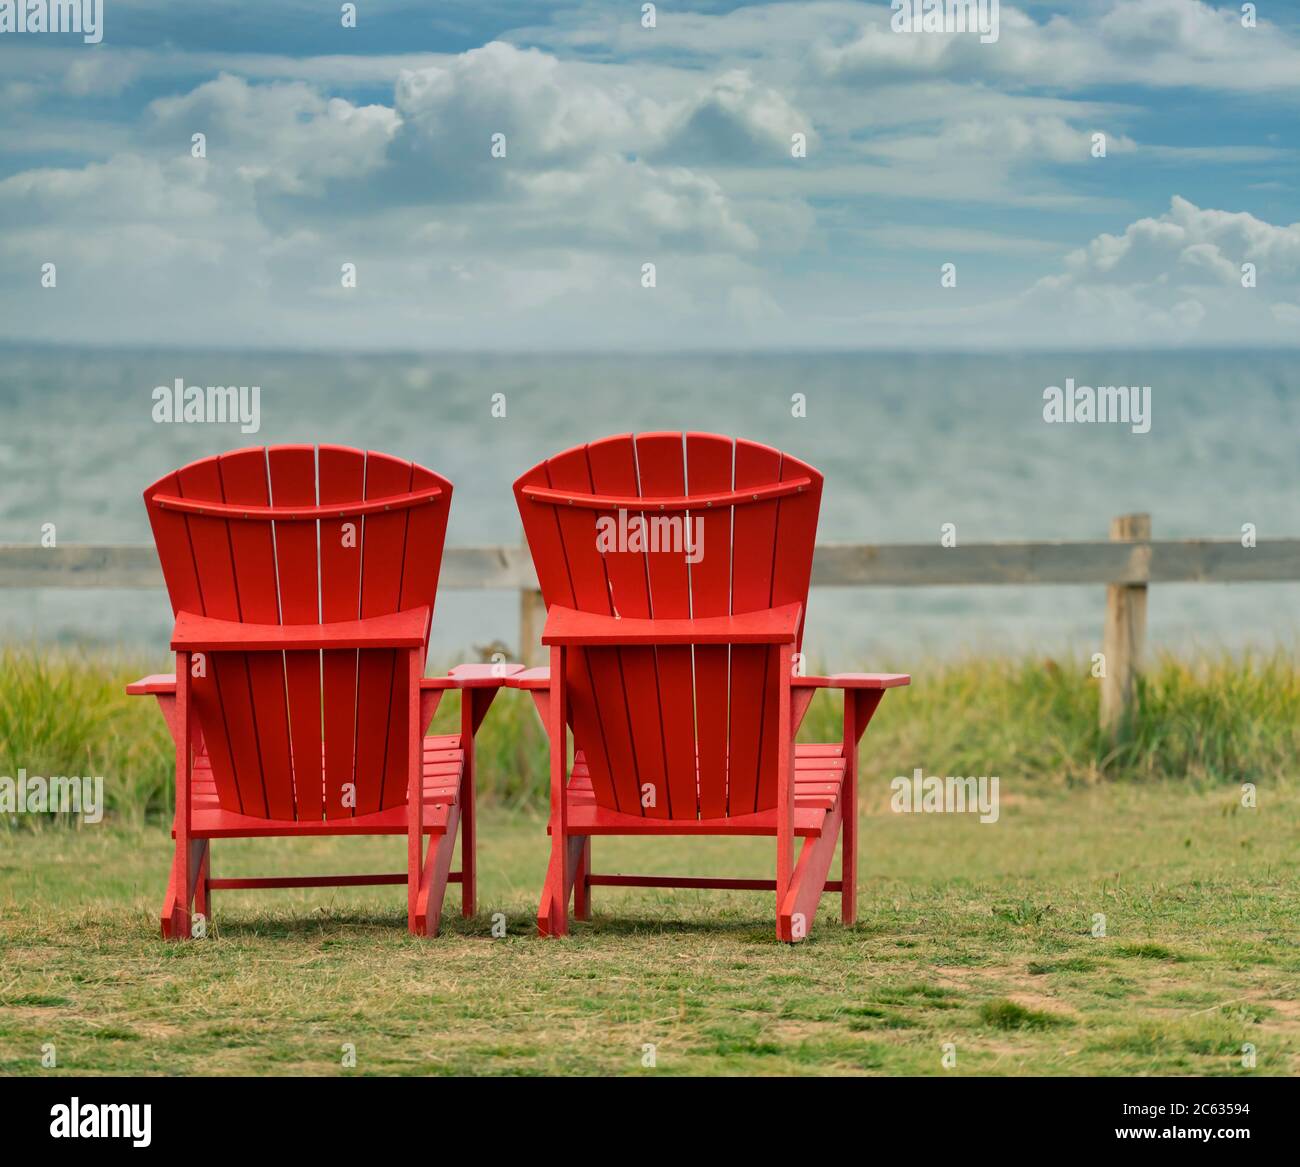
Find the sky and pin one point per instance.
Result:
(672, 146)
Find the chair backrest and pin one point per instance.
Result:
(673, 525)
(300, 535)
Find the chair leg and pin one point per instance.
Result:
(433, 880)
(553, 914)
(414, 873)
(849, 862)
(468, 845)
(202, 890)
(175, 913)
(181, 887)
(796, 912)
(581, 886)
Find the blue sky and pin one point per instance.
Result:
(669, 146)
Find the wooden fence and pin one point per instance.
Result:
(1127, 565)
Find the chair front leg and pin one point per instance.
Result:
(785, 775)
(553, 913)
(859, 707)
(180, 889)
(414, 794)
(474, 704)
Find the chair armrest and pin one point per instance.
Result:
(476, 676)
(152, 684)
(769, 626)
(853, 681)
(539, 678)
(397, 630)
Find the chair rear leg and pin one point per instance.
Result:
(202, 890)
(581, 883)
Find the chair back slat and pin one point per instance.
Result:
(293, 483)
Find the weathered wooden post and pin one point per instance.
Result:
(1125, 632)
(532, 619)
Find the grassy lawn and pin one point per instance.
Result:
(974, 935)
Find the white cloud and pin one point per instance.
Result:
(734, 119)
(1203, 242)
(286, 135)
(1177, 277)
(1153, 43)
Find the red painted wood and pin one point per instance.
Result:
(480, 676)
(175, 913)
(434, 879)
(854, 681)
(591, 819)
(849, 812)
(709, 469)
(312, 676)
(752, 552)
(553, 913)
(796, 535)
(252, 549)
(292, 471)
(785, 778)
(243, 884)
(582, 881)
(723, 633)
(247, 510)
(340, 479)
(661, 463)
(770, 626)
(393, 630)
(230, 718)
(693, 881)
(381, 674)
(414, 799)
(597, 693)
(649, 499)
(153, 684)
(176, 555)
(613, 464)
(799, 904)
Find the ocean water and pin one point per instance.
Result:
(907, 444)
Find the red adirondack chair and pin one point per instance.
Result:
(303, 583)
(675, 666)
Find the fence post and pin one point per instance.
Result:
(532, 617)
(1125, 633)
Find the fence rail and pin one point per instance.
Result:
(1126, 564)
(850, 565)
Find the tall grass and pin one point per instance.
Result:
(1216, 719)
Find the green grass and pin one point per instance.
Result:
(978, 937)
(973, 939)
(1220, 720)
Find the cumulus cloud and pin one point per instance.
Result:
(1186, 243)
(287, 136)
(1039, 139)
(734, 119)
(1178, 277)
(681, 158)
(550, 115)
(1155, 43)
